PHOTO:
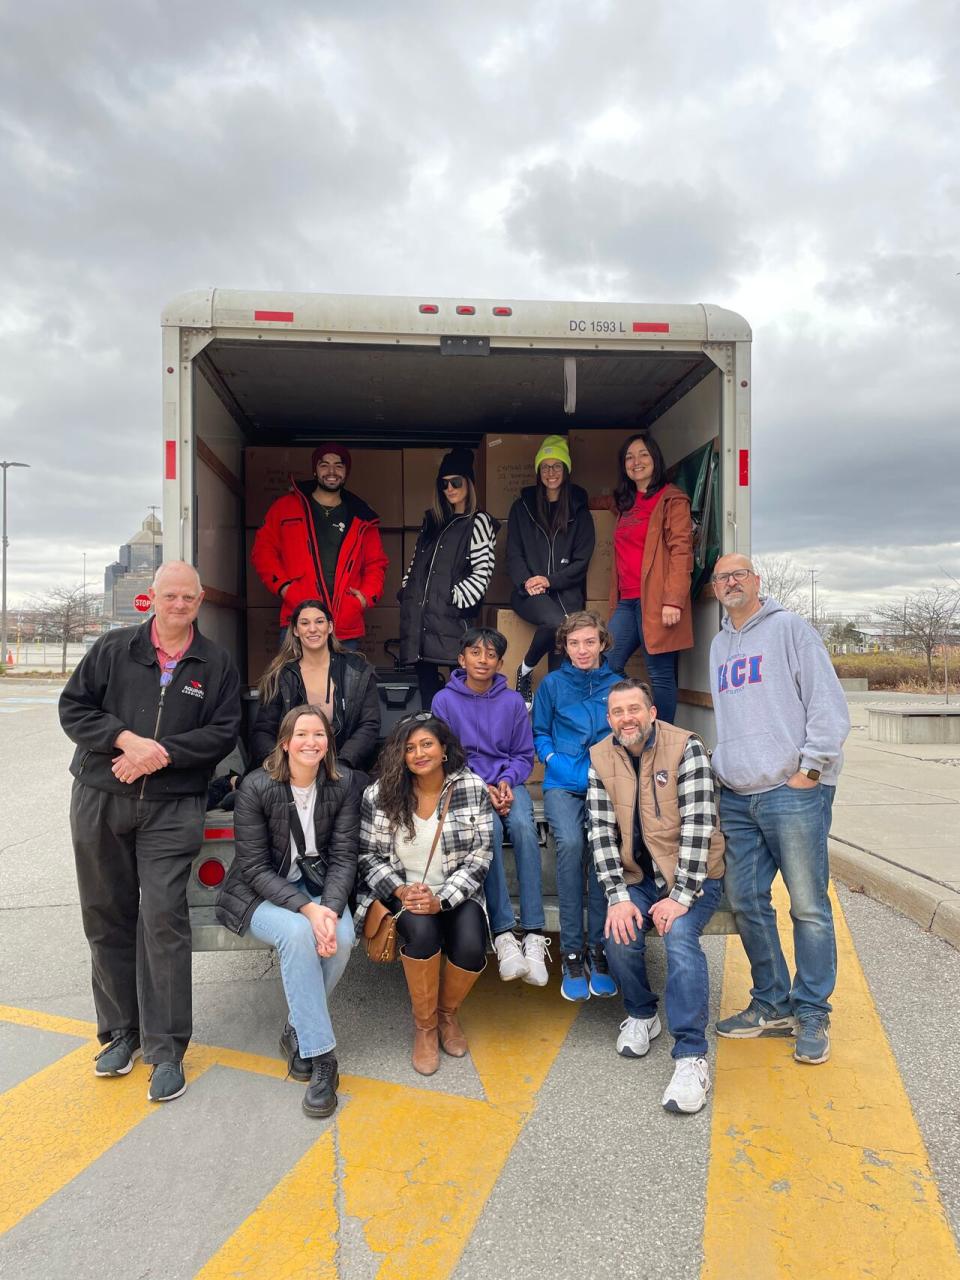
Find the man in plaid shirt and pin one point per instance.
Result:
(652, 830)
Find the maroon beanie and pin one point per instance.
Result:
(331, 446)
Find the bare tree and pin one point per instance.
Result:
(62, 615)
(923, 621)
(782, 579)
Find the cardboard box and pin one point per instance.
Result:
(420, 468)
(507, 468)
(374, 477)
(518, 636)
(594, 456)
(601, 563)
(500, 588)
(382, 624)
(263, 640)
(258, 597)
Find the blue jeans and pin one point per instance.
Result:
(782, 830)
(688, 983)
(626, 627)
(566, 818)
(521, 827)
(307, 979)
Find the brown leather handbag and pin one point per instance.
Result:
(380, 924)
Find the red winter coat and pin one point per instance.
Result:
(285, 551)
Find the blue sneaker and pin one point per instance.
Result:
(601, 984)
(755, 1020)
(813, 1039)
(573, 985)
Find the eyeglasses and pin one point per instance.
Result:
(551, 468)
(735, 575)
(452, 482)
(166, 672)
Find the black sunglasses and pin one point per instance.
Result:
(452, 482)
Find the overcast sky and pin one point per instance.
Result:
(798, 164)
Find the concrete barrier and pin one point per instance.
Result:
(914, 723)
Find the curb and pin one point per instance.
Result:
(933, 907)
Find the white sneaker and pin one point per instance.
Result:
(536, 952)
(635, 1036)
(509, 957)
(687, 1091)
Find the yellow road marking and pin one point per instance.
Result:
(292, 1234)
(56, 1123)
(418, 1168)
(818, 1170)
(47, 1022)
(515, 1032)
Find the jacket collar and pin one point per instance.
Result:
(142, 650)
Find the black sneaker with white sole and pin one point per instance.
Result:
(525, 686)
(117, 1057)
(167, 1082)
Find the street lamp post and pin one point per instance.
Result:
(3, 615)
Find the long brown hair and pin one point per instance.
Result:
(277, 763)
(395, 794)
(292, 650)
(625, 494)
(552, 516)
(442, 511)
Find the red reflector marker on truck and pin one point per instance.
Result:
(428, 308)
(285, 317)
(744, 467)
(503, 311)
(650, 326)
(211, 873)
(170, 460)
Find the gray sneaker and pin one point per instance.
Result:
(117, 1057)
(813, 1039)
(167, 1082)
(755, 1020)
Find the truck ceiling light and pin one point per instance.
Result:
(211, 872)
(428, 308)
(503, 311)
(466, 311)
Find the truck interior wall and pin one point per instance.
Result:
(218, 527)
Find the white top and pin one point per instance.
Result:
(414, 853)
(303, 796)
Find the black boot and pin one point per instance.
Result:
(320, 1098)
(298, 1068)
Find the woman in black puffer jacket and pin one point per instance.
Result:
(312, 668)
(296, 830)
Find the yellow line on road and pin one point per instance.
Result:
(47, 1022)
(57, 1122)
(819, 1171)
(293, 1233)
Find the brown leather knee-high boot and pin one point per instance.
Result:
(455, 986)
(423, 983)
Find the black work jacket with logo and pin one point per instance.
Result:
(196, 717)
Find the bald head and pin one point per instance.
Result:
(737, 587)
(176, 596)
(178, 568)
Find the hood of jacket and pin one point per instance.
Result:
(356, 508)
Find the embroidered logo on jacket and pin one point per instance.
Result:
(194, 688)
(661, 777)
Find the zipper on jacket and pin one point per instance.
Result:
(551, 540)
(156, 727)
(426, 581)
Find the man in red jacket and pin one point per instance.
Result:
(319, 541)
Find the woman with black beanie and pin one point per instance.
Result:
(452, 565)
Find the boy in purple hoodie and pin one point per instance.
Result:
(493, 726)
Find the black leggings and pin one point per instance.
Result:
(430, 682)
(461, 934)
(545, 613)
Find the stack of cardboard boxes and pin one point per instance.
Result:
(399, 485)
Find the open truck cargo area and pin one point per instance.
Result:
(252, 381)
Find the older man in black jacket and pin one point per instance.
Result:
(151, 710)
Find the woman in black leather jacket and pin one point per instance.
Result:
(312, 668)
(296, 829)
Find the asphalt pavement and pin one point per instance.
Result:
(542, 1153)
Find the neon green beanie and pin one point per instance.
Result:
(553, 447)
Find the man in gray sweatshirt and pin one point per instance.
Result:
(781, 723)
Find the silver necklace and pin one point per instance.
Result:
(302, 795)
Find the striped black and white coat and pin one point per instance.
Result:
(466, 845)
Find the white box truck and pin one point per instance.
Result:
(254, 371)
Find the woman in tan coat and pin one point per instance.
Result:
(652, 566)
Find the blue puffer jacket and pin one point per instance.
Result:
(569, 717)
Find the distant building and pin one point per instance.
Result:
(132, 572)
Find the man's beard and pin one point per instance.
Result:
(632, 739)
(332, 485)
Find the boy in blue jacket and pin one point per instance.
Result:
(569, 717)
(493, 726)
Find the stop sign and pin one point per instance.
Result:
(141, 604)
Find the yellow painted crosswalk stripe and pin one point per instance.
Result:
(819, 1171)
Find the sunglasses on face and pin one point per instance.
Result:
(452, 482)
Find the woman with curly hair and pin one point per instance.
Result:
(426, 799)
